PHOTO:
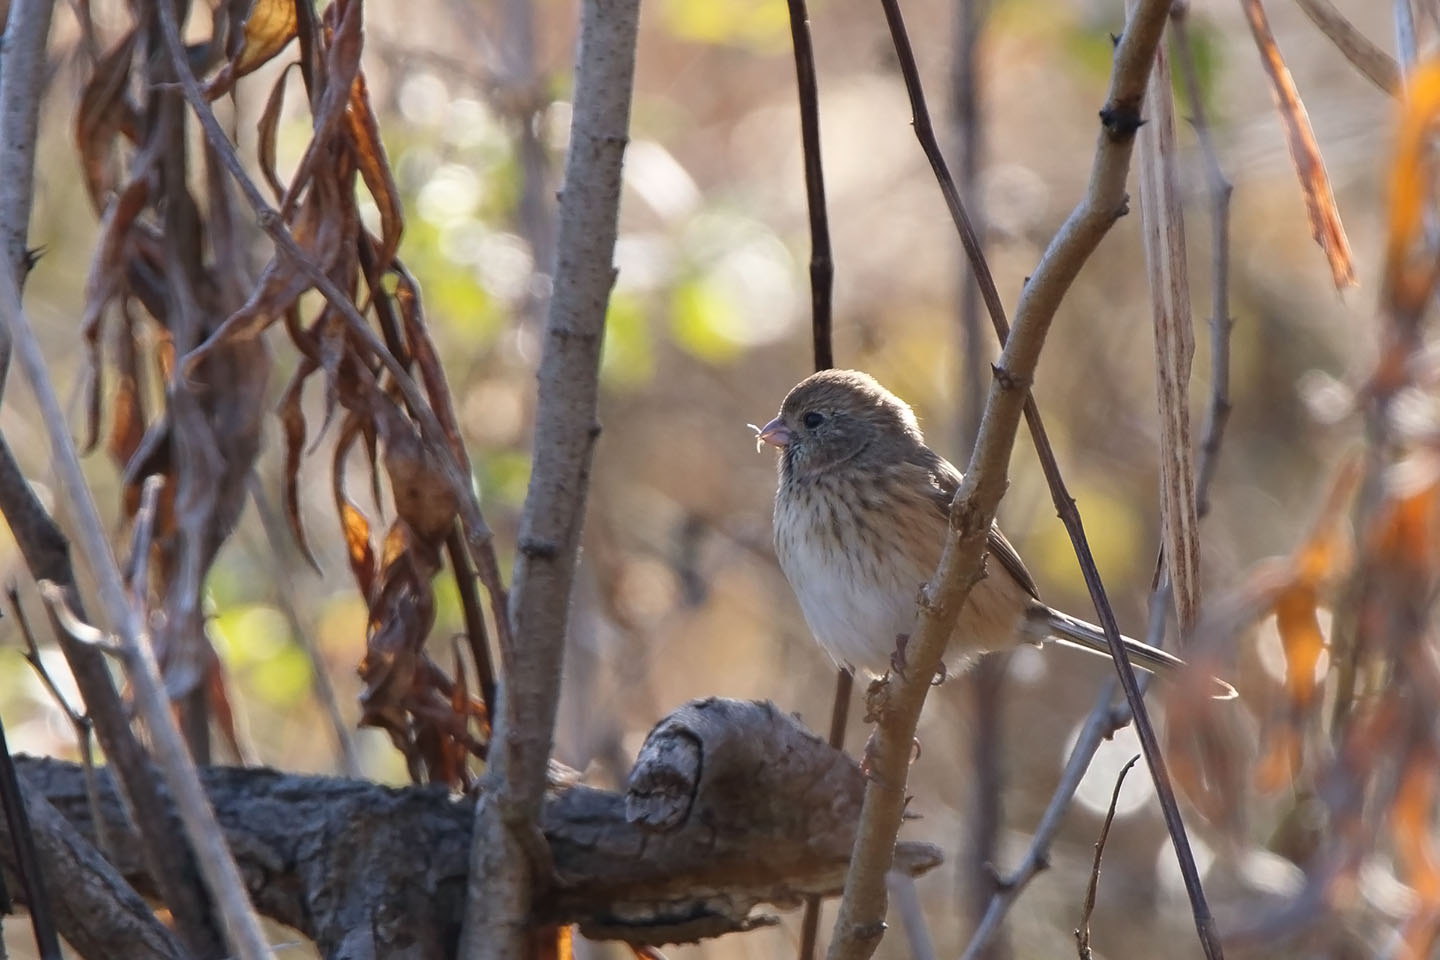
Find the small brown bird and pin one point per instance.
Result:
(860, 518)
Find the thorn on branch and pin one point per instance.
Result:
(1008, 380)
(1121, 121)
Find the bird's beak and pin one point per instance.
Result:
(775, 433)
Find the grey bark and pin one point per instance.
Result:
(765, 813)
(509, 861)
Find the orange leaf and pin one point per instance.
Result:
(1325, 223)
(269, 28)
(1302, 638)
(1410, 269)
(1410, 818)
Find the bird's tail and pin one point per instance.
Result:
(1047, 623)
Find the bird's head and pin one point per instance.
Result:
(841, 417)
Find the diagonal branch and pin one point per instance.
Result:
(216, 865)
(509, 857)
(861, 921)
(1374, 64)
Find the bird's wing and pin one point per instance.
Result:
(945, 480)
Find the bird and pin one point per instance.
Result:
(861, 509)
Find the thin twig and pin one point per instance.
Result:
(82, 724)
(912, 915)
(509, 859)
(822, 283)
(1374, 64)
(1104, 719)
(141, 540)
(281, 546)
(822, 264)
(1218, 413)
(1105, 202)
(216, 865)
(32, 879)
(172, 865)
(861, 921)
(476, 636)
(1082, 933)
(984, 682)
(22, 75)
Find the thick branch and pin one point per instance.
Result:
(508, 861)
(731, 804)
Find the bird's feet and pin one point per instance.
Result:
(897, 658)
(870, 757)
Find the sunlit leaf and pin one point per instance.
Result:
(1410, 265)
(1325, 223)
(268, 30)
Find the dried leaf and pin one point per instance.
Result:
(266, 129)
(368, 150)
(353, 525)
(292, 421)
(342, 65)
(1325, 223)
(424, 498)
(105, 112)
(127, 426)
(268, 30)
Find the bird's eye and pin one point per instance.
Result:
(813, 419)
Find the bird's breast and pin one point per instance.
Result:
(856, 557)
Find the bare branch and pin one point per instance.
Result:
(1100, 725)
(280, 546)
(822, 282)
(1082, 933)
(1218, 413)
(509, 858)
(1374, 64)
(47, 555)
(861, 920)
(83, 726)
(22, 74)
(214, 860)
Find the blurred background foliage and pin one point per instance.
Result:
(679, 595)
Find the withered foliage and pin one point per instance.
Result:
(1348, 750)
(175, 291)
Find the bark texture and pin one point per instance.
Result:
(731, 804)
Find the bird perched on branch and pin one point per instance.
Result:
(860, 519)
